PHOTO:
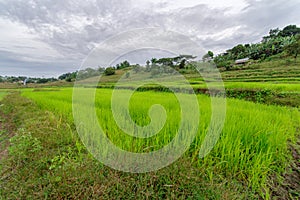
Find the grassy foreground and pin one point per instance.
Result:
(2, 94)
(47, 159)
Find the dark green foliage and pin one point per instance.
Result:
(21, 79)
(42, 80)
(110, 71)
(182, 64)
(179, 62)
(166, 62)
(86, 73)
(68, 76)
(294, 48)
(211, 54)
(69, 79)
(222, 61)
(238, 51)
(153, 61)
(123, 65)
(208, 56)
(273, 44)
(148, 67)
(290, 30)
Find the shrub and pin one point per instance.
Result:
(110, 71)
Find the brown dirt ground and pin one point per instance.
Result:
(289, 188)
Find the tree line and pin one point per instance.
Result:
(23, 79)
(155, 66)
(278, 41)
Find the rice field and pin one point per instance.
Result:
(276, 70)
(2, 94)
(252, 146)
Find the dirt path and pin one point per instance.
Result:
(7, 129)
(292, 179)
(289, 188)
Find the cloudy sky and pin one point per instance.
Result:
(51, 37)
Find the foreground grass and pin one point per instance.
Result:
(2, 94)
(46, 160)
(251, 151)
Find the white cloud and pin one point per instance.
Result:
(62, 33)
(16, 38)
(166, 5)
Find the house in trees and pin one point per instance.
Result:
(242, 61)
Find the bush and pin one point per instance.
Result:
(226, 64)
(69, 79)
(110, 71)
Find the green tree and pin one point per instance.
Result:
(153, 61)
(110, 71)
(123, 65)
(69, 79)
(68, 76)
(290, 30)
(166, 62)
(210, 53)
(182, 60)
(148, 66)
(182, 64)
(208, 56)
(237, 50)
(273, 33)
(294, 48)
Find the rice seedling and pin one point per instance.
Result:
(251, 148)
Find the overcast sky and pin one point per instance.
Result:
(51, 37)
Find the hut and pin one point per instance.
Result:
(242, 61)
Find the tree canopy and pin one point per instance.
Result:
(275, 43)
